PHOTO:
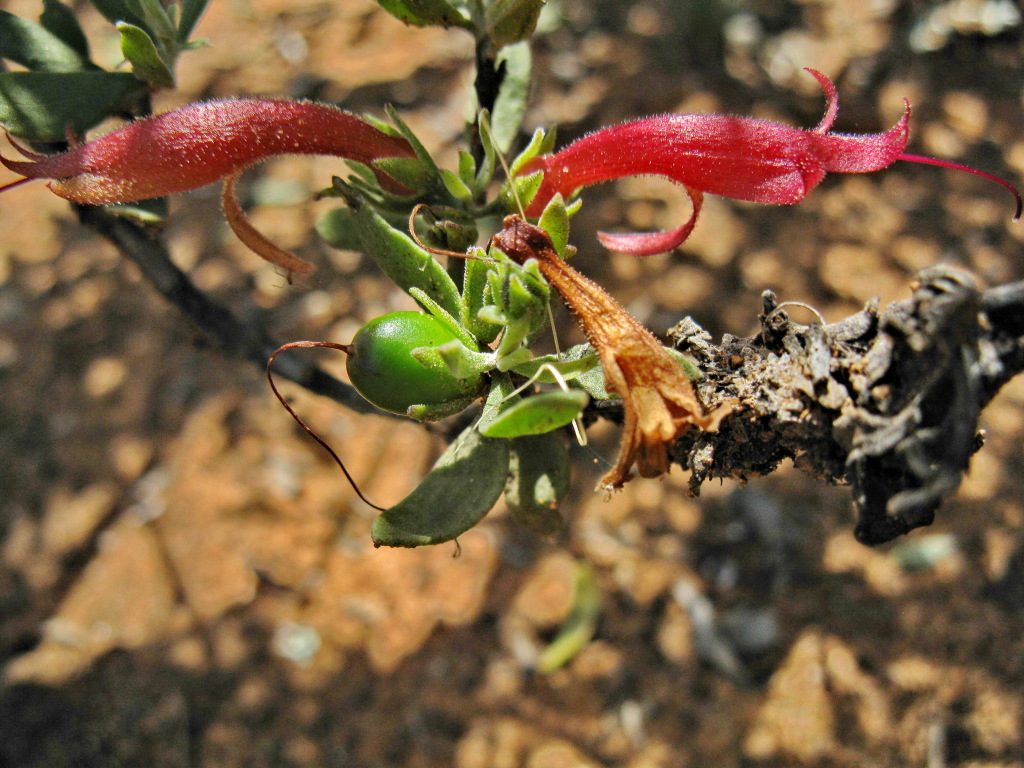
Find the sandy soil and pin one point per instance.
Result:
(186, 581)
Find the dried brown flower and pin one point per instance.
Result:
(659, 400)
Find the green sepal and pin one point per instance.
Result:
(431, 174)
(513, 95)
(538, 414)
(467, 168)
(141, 52)
(511, 21)
(426, 13)
(539, 474)
(555, 221)
(456, 186)
(571, 364)
(462, 362)
(579, 628)
(439, 411)
(460, 490)
(474, 283)
(541, 143)
(39, 106)
(60, 21)
(444, 317)
(407, 171)
(36, 48)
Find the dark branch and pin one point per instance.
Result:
(216, 320)
(886, 400)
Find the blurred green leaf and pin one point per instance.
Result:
(538, 480)
(61, 21)
(423, 13)
(578, 630)
(511, 21)
(117, 10)
(510, 104)
(538, 414)
(141, 52)
(39, 106)
(157, 20)
(34, 47)
(462, 487)
(191, 12)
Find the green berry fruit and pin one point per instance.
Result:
(383, 370)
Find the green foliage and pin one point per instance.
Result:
(481, 313)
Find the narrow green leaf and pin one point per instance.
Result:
(61, 22)
(460, 490)
(423, 13)
(141, 52)
(474, 283)
(538, 414)
(40, 105)
(158, 21)
(538, 480)
(36, 48)
(510, 105)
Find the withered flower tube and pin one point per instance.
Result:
(659, 401)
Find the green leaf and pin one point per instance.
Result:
(538, 480)
(555, 221)
(463, 486)
(36, 48)
(402, 260)
(510, 104)
(61, 22)
(511, 21)
(423, 13)
(40, 105)
(538, 414)
(141, 52)
(578, 630)
(191, 11)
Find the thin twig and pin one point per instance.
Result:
(214, 319)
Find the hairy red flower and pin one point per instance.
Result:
(738, 157)
(202, 143)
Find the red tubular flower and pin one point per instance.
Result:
(737, 157)
(202, 143)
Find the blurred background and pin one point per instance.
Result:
(186, 581)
